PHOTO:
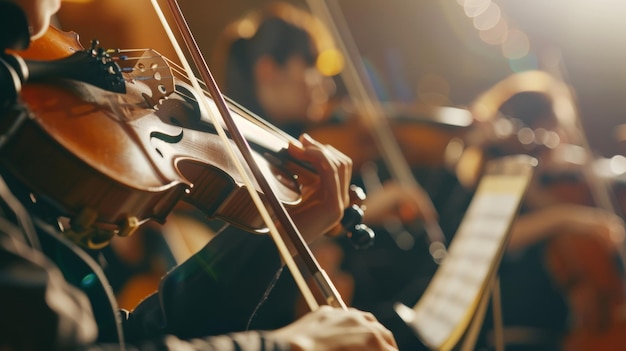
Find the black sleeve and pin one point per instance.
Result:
(244, 341)
(38, 309)
(31, 285)
(216, 291)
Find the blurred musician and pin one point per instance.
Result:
(278, 63)
(562, 273)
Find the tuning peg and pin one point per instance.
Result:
(361, 236)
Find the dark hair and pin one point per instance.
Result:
(275, 38)
(530, 107)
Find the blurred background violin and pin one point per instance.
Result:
(424, 133)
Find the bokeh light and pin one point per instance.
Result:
(497, 34)
(246, 28)
(330, 62)
(489, 18)
(474, 8)
(516, 45)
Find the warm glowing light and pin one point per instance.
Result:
(455, 116)
(617, 164)
(489, 18)
(330, 62)
(503, 128)
(474, 8)
(572, 154)
(497, 34)
(246, 28)
(526, 136)
(552, 140)
(516, 46)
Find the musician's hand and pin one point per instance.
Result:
(329, 329)
(38, 13)
(598, 221)
(395, 200)
(327, 197)
(537, 225)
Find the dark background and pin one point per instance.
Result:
(407, 40)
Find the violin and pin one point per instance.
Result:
(424, 134)
(587, 267)
(113, 152)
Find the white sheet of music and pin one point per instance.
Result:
(444, 312)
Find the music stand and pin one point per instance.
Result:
(450, 313)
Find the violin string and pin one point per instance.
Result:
(148, 78)
(128, 50)
(180, 73)
(129, 58)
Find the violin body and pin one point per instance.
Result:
(589, 272)
(112, 161)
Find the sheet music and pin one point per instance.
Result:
(445, 310)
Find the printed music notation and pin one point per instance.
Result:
(443, 314)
